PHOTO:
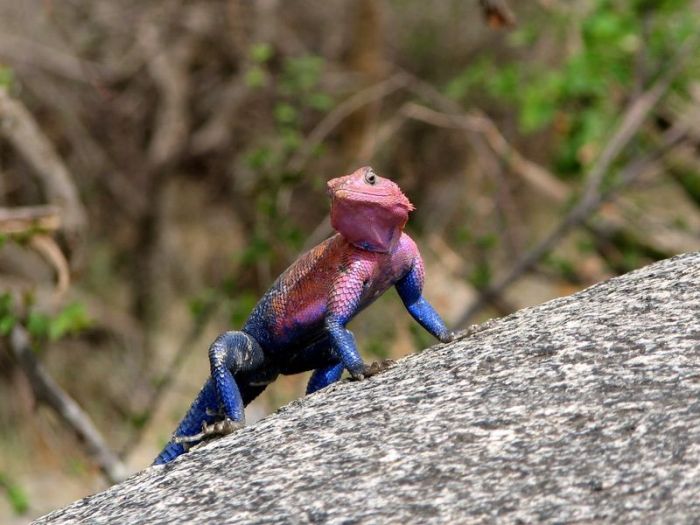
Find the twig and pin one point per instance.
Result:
(18, 50)
(342, 111)
(535, 175)
(215, 133)
(92, 157)
(50, 251)
(48, 391)
(29, 218)
(631, 121)
(588, 204)
(262, 22)
(454, 117)
(19, 127)
(169, 69)
(381, 135)
(166, 379)
(455, 265)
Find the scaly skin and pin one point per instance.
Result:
(299, 324)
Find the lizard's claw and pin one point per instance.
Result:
(377, 367)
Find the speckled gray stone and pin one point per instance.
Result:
(583, 409)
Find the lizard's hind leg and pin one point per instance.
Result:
(196, 418)
(230, 354)
(221, 397)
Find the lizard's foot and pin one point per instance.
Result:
(210, 431)
(371, 370)
(221, 428)
(377, 367)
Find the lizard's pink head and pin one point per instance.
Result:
(368, 210)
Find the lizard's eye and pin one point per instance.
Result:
(370, 177)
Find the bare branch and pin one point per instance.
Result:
(632, 120)
(169, 69)
(215, 133)
(29, 218)
(163, 383)
(19, 51)
(585, 207)
(252, 22)
(50, 251)
(47, 390)
(342, 111)
(19, 127)
(538, 177)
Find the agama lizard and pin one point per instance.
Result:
(299, 324)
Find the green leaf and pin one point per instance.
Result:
(286, 113)
(16, 496)
(540, 100)
(261, 52)
(38, 324)
(203, 302)
(300, 74)
(7, 315)
(241, 308)
(377, 347)
(421, 338)
(481, 275)
(72, 319)
(139, 419)
(320, 101)
(259, 158)
(257, 248)
(291, 139)
(487, 241)
(7, 323)
(561, 265)
(6, 77)
(256, 77)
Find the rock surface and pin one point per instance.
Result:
(585, 408)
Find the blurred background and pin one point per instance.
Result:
(161, 162)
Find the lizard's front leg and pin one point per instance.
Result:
(410, 289)
(343, 302)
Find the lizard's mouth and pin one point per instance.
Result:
(367, 193)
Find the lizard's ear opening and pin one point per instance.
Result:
(369, 225)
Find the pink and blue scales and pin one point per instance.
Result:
(299, 324)
(326, 281)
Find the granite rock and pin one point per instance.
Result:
(586, 408)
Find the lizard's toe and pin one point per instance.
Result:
(448, 337)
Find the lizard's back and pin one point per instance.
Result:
(296, 303)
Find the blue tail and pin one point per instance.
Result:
(192, 422)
